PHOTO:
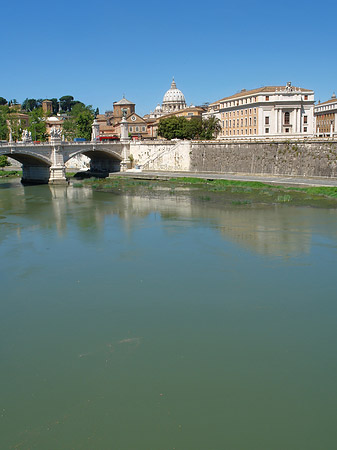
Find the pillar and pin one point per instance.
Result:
(58, 168)
(95, 130)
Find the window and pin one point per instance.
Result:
(305, 119)
(250, 131)
(237, 122)
(287, 119)
(287, 130)
(305, 129)
(130, 128)
(250, 111)
(246, 121)
(254, 120)
(230, 124)
(250, 120)
(254, 130)
(254, 110)
(305, 97)
(137, 128)
(267, 98)
(242, 122)
(143, 128)
(241, 112)
(266, 120)
(266, 130)
(226, 123)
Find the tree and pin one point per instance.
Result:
(79, 122)
(37, 125)
(29, 104)
(4, 162)
(14, 124)
(65, 102)
(3, 101)
(84, 123)
(172, 128)
(182, 128)
(210, 128)
(4, 131)
(55, 105)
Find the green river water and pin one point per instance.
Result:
(165, 323)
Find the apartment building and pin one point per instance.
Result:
(265, 112)
(326, 118)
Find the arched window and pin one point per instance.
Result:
(287, 118)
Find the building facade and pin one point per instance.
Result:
(326, 118)
(110, 122)
(265, 112)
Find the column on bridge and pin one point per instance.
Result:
(58, 168)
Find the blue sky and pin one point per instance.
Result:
(96, 51)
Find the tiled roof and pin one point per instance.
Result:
(332, 100)
(124, 101)
(264, 89)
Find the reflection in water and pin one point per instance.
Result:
(132, 322)
(269, 230)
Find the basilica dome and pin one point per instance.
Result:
(173, 99)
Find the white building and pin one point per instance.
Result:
(268, 111)
(174, 100)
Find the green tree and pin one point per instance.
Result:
(210, 128)
(37, 125)
(172, 128)
(4, 131)
(4, 162)
(182, 128)
(14, 124)
(66, 102)
(29, 104)
(79, 122)
(3, 101)
(55, 105)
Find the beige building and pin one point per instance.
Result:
(109, 123)
(326, 118)
(266, 112)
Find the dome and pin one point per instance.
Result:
(174, 95)
(158, 108)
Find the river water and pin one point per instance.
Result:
(134, 323)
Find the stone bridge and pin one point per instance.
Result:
(45, 162)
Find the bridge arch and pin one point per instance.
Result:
(35, 167)
(101, 160)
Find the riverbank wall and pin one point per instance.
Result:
(310, 157)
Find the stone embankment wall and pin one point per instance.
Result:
(313, 157)
(305, 158)
(166, 155)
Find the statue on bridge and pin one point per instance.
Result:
(26, 136)
(55, 133)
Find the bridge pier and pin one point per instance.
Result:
(57, 175)
(57, 169)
